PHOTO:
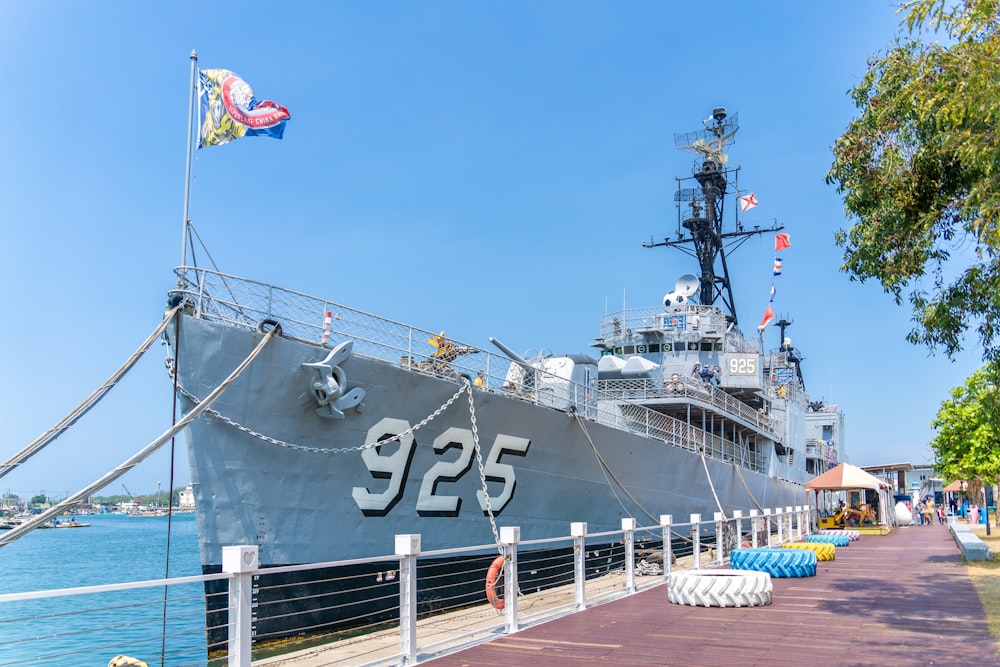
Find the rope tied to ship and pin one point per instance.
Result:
(609, 475)
(144, 453)
(95, 397)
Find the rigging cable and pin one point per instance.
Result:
(747, 488)
(704, 463)
(170, 490)
(114, 474)
(46, 438)
(608, 472)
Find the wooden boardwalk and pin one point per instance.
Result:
(900, 599)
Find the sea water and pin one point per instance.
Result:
(92, 629)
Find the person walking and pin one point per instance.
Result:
(929, 511)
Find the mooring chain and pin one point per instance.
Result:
(319, 450)
(482, 469)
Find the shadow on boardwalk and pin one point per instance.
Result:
(900, 599)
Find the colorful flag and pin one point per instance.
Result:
(781, 242)
(229, 110)
(768, 316)
(748, 202)
(777, 266)
(772, 293)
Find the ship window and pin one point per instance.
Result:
(668, 347)
(718, 347)
(654, 347)
(706, 346)
(640, 349)
(618, 350)
(693, 346)
(630, 349)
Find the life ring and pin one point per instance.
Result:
(496, 568)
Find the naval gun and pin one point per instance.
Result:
(563, 382)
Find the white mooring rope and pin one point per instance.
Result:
(59, 508)
(46, 438)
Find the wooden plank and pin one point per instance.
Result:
(897, 599)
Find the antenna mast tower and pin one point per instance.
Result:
(703, 228)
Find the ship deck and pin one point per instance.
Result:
(898, 599)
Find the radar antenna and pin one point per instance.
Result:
(703, 228)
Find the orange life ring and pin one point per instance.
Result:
(496, 567)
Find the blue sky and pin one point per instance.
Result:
(486, 168)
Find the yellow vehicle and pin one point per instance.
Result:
(849, 516)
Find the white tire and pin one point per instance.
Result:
(719, 588)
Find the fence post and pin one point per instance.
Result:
(805, 520)
(240, 562)
(754, 528)
(628, 530)
(696, 540)
(509, 537)
(668, 549)
(781, 528)
(578, 529)
(408, 548)
(767, 526)
(738, 520)
(792, 530)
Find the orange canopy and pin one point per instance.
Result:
(954, 486)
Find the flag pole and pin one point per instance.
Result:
(187, 175)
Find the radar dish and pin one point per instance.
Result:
(687, 285)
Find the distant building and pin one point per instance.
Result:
(910, 480)
(824, 438)
(185, 498)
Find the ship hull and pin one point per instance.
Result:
(545, 467)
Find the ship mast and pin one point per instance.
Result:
(703, 228)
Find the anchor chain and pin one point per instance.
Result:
(303, 448)
(482, 469)
(466, 387)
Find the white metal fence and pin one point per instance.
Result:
(423, 614)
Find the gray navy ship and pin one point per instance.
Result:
(350, 428)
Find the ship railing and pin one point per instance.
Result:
(406, 607)
(649, 423)
(698, 320)
(684, 389)
(246, 304)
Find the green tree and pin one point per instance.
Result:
(919, 170)
(967, 445)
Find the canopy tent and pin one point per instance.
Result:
(847, 477)
(954, 486)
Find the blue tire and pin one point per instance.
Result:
(835, 540)
(776, 562)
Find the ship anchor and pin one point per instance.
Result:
(330, 381)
